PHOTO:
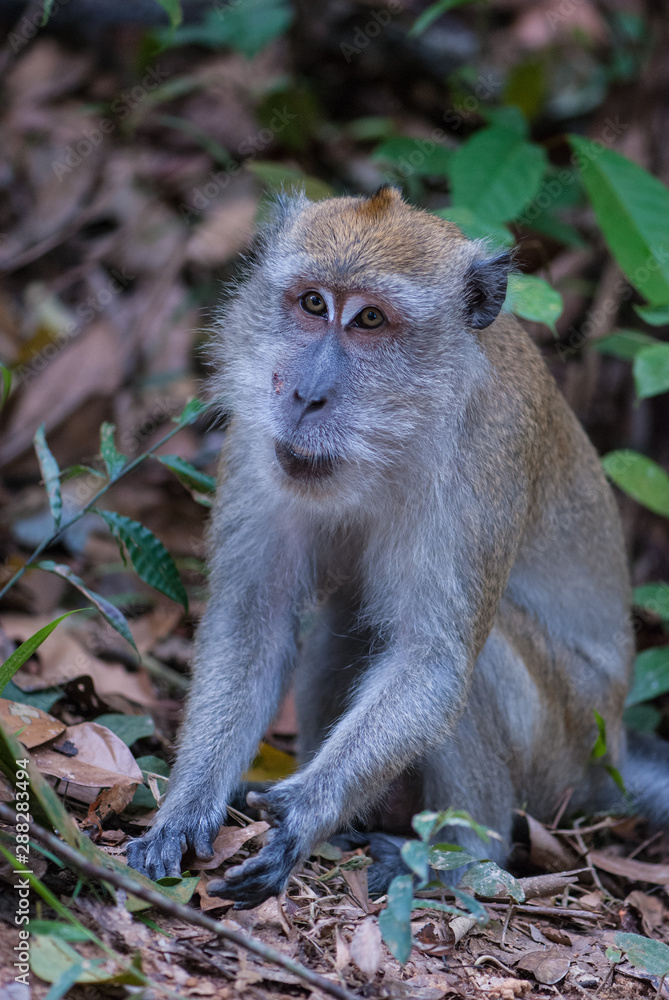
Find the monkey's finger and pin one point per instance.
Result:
(164, 858)
(257, 800)
(203, 847)
(136, 854)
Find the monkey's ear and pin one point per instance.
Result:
(485, 289)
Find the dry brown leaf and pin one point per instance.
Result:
(356, 880)
(102, 761)
(110, 802)
(228, 841)
(342, 950)
(155, 625)
(548, 966)
(225, 231)
(34, 726)
(651, 909)
(61, 658)
(546, 850)
(366, 947)
(97, 354)
(460, 926)
(208, 902)
(591, 901)
(636, 871)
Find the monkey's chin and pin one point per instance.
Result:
(303, 466)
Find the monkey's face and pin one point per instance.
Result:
(353, 340)
(339, 338)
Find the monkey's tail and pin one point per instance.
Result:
(646, 777)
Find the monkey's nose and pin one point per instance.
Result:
(310, 402)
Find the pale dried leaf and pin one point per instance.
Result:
(366, 946)
(34, 726)
(228, 841)
(636, 871)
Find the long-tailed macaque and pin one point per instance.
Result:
(394, 431)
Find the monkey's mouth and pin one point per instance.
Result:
(302, 464)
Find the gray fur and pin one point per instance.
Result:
(480, 612)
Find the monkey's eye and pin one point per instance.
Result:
(369, 318)
(314, 303)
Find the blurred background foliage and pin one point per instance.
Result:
(141, 141)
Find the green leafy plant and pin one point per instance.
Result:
(149, 557)
(484, 878)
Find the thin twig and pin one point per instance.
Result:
(191, 916)
(546, 911)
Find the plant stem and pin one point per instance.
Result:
(80, 513)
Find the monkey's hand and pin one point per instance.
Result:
(158, 853)
(265, 874)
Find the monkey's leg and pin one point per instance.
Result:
(244, 654)
(331, 657)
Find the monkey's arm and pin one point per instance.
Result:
(245, 650)
(406, 704)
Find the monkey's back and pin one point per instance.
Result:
(562, 635)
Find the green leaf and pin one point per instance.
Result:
(72, 471)
(43, 699)
(113, 459)
(488, 879)
(54, 928)
(47, 10)
(651, 370)
(613, 955)
(432, 904)
(173, 10)
(654, 597)
(547, 222)
(624, 344)
(642, 718)
(653, 315)
(149, 557)
(395, 920)
(434, 11)
(27, 648)
(50, 474)
(474, 228)
(426, 823)
(193, 409)
(415, 156)
(496, 173)
(645, 953)
(640, 477)
(599, 748)
(128, 728)
(246, 27)
(414, 853)
(55, 961)
(508, 116)
(467, 902)
(533, 299)
(198, 483)
(651, 675)
(179, 890)
(445, 857)
(277, 177)
(106, 609)
(632, 209)
(6, 384)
